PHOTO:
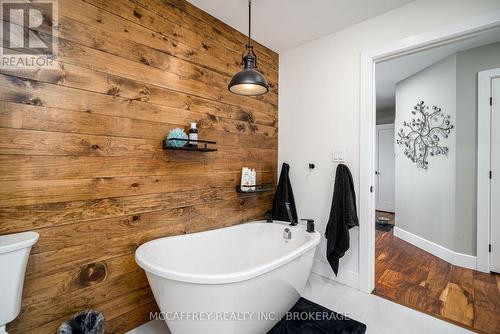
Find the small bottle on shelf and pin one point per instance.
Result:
(246, 180)
(254, 179)
(193, 135)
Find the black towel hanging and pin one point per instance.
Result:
(284, 194)
(343, 216)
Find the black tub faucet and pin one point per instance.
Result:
(269, 216)
(289, 213)
(310, 225)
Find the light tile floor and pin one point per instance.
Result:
(380, 315)
(152, 327)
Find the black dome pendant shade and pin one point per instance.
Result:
(249, 81)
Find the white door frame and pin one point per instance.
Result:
(483, 167)
(445, 35)
(377, 128)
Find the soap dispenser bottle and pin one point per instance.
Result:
(193, 135)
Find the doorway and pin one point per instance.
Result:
(441, 36)
(424, 254)
(414, 255)
(384, 172)
(489, 159)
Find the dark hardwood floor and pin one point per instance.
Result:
(412, 277)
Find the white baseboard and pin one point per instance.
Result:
(346, 277)
(457, 259)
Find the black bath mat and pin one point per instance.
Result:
(306, 317)
(383, 227)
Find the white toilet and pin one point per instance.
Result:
(14, 253)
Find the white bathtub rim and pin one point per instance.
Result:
(225, 278)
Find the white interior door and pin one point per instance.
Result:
(385, 164)
(495, 181)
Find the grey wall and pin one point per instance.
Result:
(425, 201)
(386, 116)
(443, 209)
(469, 63)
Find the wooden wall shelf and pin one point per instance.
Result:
(259, 188)
(200, 148)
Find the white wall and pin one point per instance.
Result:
(425, 198)
(319, 101)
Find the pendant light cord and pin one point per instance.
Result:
(249, 23)
(249, 46)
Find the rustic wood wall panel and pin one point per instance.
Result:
(81, 159)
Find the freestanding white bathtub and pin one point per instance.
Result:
(238, 279)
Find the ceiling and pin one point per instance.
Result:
(389, 72)
(282, 25)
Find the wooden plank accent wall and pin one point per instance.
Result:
(81, 159)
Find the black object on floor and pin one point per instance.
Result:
(87, 322)
(306, 317)
(383, 227)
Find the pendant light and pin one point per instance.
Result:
(249, 81)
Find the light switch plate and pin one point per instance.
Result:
(338, 155)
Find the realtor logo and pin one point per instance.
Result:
(28, 34)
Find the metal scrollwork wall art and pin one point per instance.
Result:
(420, 137)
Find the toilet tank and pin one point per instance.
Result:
(14, 253)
